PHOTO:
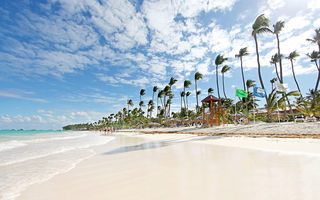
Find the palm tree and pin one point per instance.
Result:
(186, 84)
(166, 92)
(250, 83)
(260, 26)
(315, 56)
(210, 91)
(141, 104)
(197, 76)
(242, 52)
(187, 94)
(142, 92)
(172, 82)
(272, 104)
(272, 81)
(182, 94)
(160, 95)
(274, 60)
(224, 69)
(130, 103)
(276, 30)
(150, 108)
(316, 39)
(292, 56)
(219, 60)
(154, 90)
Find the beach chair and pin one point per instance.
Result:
(299, 118)
(310, 119)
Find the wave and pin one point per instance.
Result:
(54, 152)
(14, 192)
(53, 138)
(4, 146)
(12, 144)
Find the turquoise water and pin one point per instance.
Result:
(27, 132)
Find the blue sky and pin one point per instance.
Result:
(73, 61)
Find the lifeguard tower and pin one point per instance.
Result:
(211, 116)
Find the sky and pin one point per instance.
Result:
(76, 61)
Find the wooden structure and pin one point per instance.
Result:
(212, 117)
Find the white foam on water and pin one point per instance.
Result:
(11, 145)
(28, 160)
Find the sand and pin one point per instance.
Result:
(259, 129)
(183, 166)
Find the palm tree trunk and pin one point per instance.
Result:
(275, 66)
(217, 81)
(243, 80)
(280, 62)
(294, 77)
(317, 84)
(157, 106)
(195, 83)
(225, 96)
(184, 97)
(169, 110)
(259, 66)
(181, 103)
(187, 104)
(165, 105)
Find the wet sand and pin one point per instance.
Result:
(179, 166)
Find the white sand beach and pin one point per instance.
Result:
(259, 129)
(184, 166)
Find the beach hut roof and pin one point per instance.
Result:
(210, 98)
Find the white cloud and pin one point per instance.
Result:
(314, 4)
(12, 94)
(275, 4)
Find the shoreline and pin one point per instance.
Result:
(134, 166)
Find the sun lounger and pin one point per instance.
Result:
(299, 119)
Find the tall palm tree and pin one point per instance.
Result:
(273, 61)
(141, 104)
(242, 52)
(197, 76)
(224, 69)
(210, 91)
(186, 84)
(130, 103)
(154, 90)
(187, 94)
(166, 92)
(316, 39)
(142, 92)
(292, 56)
(160, 95)
(172, 82)
(219, 60)
(261, 25)
(150, 108)
(315, 56)
(182, 94)
(276, 30)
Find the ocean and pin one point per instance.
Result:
(28, 157)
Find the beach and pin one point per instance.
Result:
(188, 166)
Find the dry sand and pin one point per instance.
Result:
(271, 130)
(183, 166)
